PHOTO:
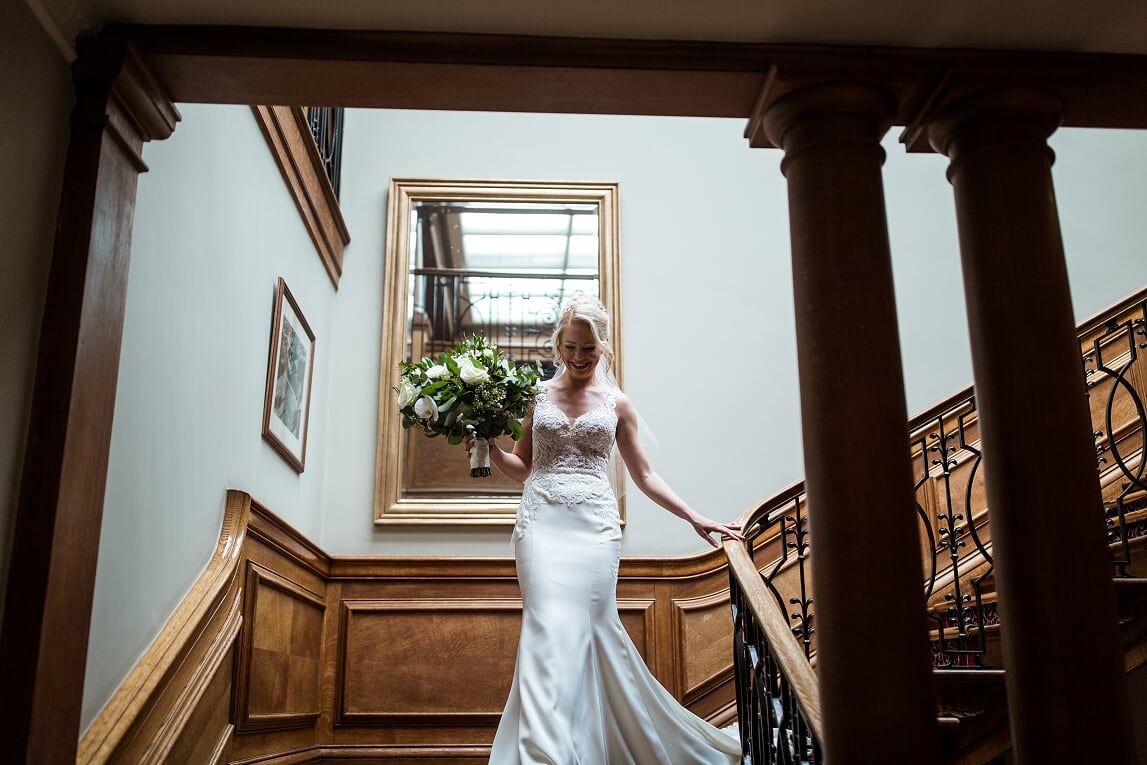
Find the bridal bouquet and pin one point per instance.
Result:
(472, 387)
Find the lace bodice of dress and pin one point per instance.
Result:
(581, 445)
(570, 458)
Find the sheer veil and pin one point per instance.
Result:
(645, 435)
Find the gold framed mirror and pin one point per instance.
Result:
(464, 256)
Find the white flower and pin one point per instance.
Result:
(426, 408)
(406, 394)
(471, 373)
(437, 371)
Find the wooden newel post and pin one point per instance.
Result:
(872, 649)
(1067, 696)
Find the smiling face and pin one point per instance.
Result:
(580, 351)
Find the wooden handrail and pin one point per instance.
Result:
(791, 660)
(1101, 317)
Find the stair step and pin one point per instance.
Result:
(965, 675)
(1131, 595)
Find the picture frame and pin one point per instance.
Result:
(290, 371)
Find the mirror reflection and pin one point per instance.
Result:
(500, 268)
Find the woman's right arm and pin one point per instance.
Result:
(514, 464)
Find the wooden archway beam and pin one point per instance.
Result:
(417, 70)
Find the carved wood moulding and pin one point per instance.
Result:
(293, 147)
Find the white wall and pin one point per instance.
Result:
(704, 238)
(706, 291)
(1101, 189)
(214, 228)
(35, 100)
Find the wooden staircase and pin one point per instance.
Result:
(772, 591)
(973, 700)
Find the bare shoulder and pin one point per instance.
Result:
(624, 405)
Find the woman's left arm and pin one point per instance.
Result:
(652, 485)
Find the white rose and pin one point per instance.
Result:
(406, 394)
(471, 373)
(426, 408)
(436, 371)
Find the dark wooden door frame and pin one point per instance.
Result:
(127, 79)
(43, 645)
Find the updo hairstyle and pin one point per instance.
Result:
(589, 311)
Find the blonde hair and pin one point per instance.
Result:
(589, 311)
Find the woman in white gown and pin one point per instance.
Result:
(581, 694)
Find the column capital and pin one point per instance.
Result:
(864, 111)
(1008, 119)
(115, 85)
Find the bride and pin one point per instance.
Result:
(581, 694)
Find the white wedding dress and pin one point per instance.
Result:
(581, 694)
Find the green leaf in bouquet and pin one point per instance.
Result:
(434, 387)
(516, 430)
(445, 406)
(454, 439)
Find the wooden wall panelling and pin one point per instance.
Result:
(285, 546)
(703, 657)
(197, 727)
(289, 137)
(332, 623)
(156, 688)
(413, 661)
(277, 684)
(397, 660)
(279, 555)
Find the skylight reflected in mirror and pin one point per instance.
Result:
(503, 268)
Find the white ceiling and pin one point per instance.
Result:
(1114, 26)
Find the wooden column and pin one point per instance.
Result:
(1067, 695)
(43, 644)
(872, 654)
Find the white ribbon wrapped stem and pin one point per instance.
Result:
(480, 458)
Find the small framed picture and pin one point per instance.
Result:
(287, 408)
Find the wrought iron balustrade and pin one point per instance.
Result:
(1116, 375)
(778, 706)
(516, 309)
(326, 123)
(957, 560)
